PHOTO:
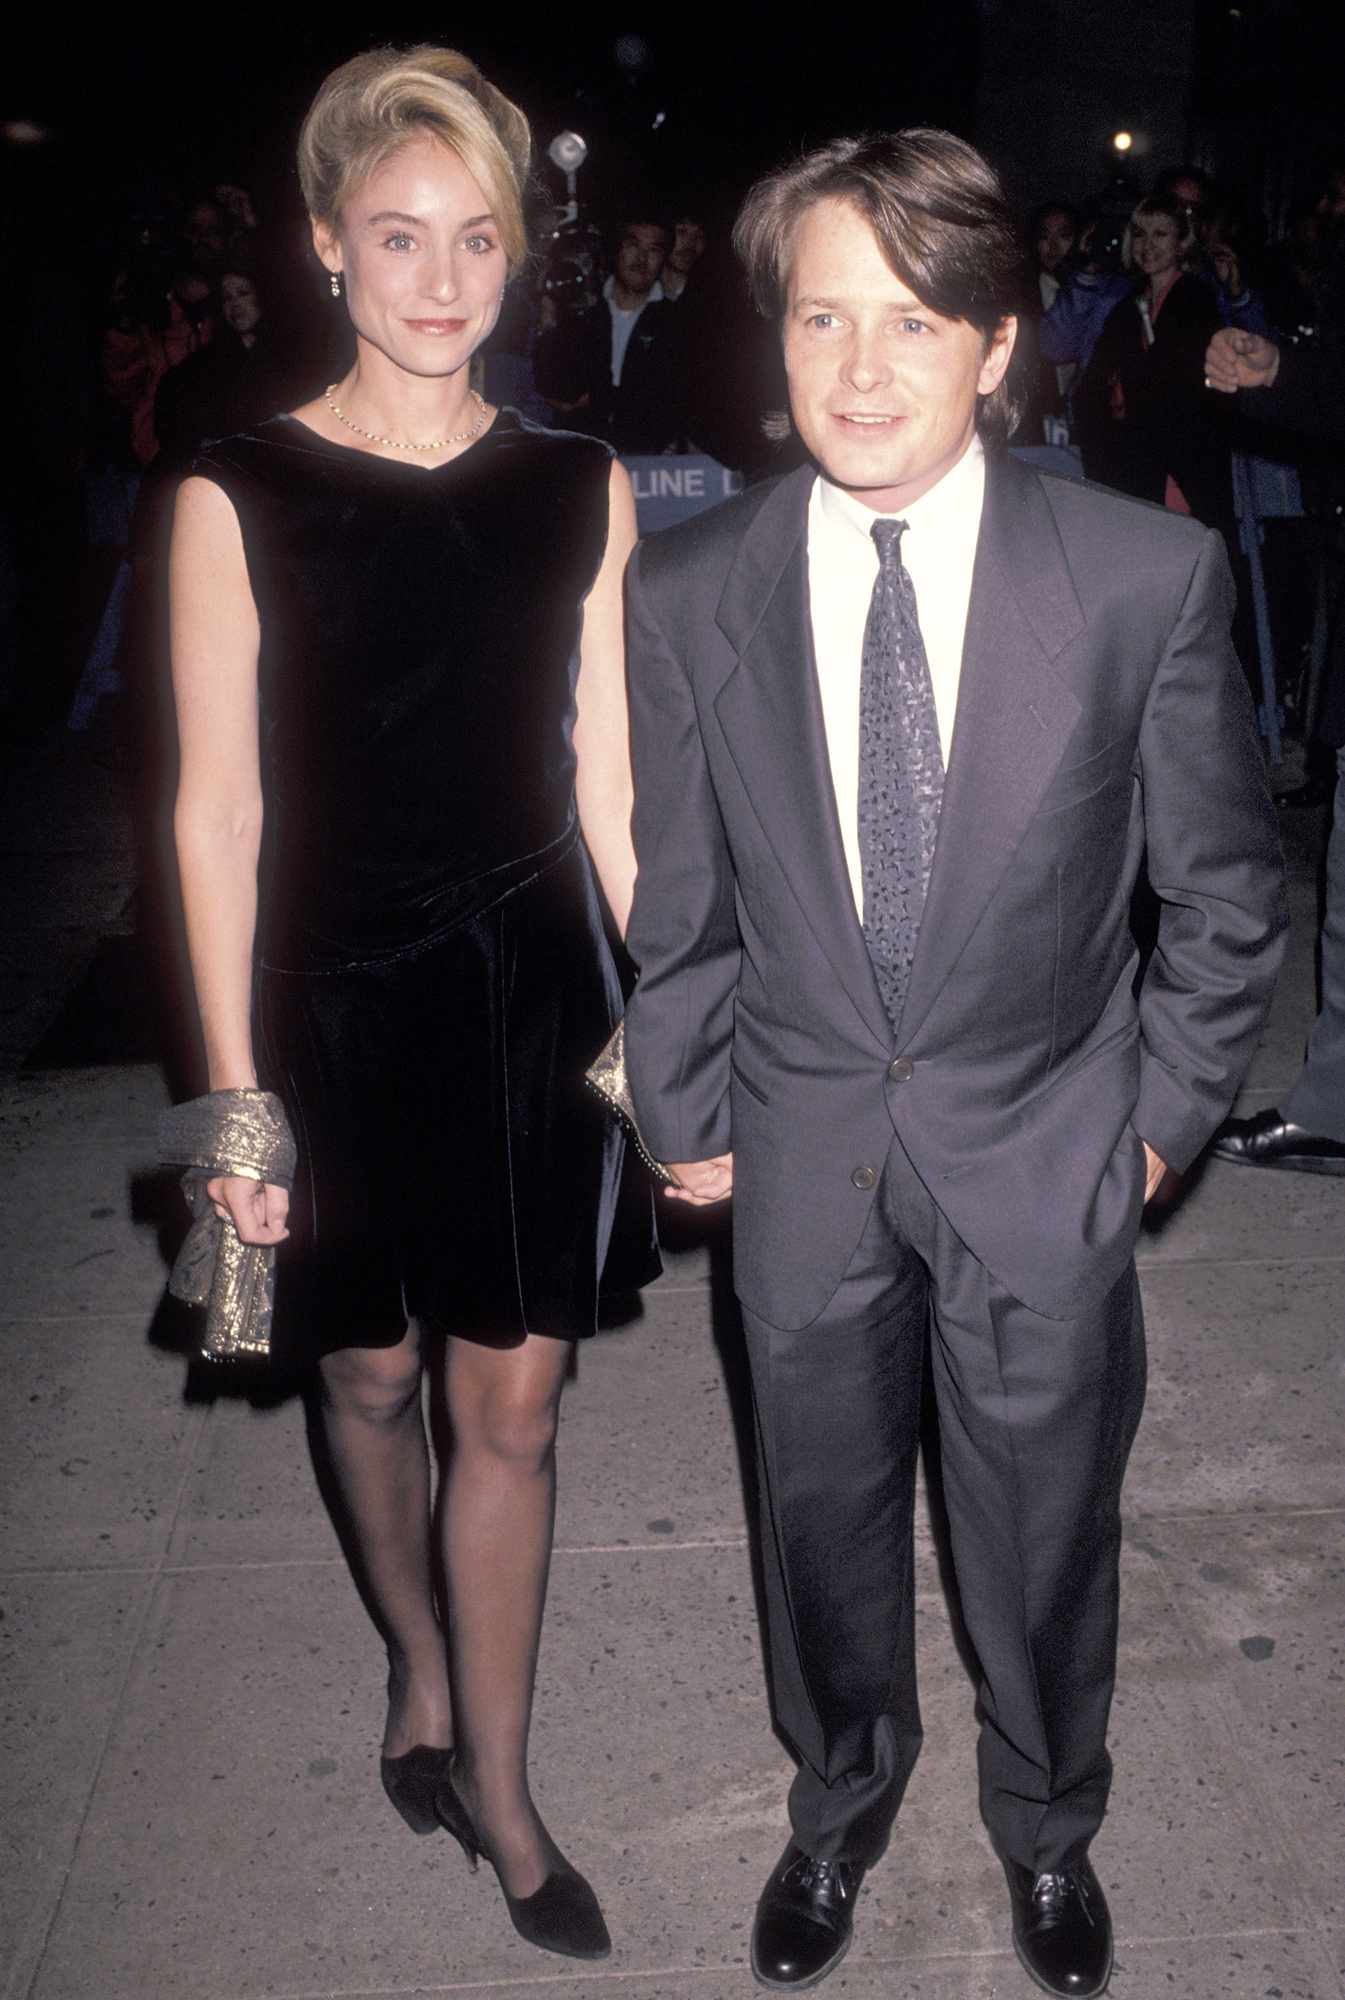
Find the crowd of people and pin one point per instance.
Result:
(1131, 292)
(641, 334)
(198, 339)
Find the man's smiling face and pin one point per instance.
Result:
(883, 391)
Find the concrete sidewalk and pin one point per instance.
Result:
(193, 1695)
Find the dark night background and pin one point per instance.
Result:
(1253, 91)
(226, 98)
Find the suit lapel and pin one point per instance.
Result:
(1014, 717)
(771, 714)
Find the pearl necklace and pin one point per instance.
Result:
(396, 444)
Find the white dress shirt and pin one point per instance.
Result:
(623, 323)
(939, 550)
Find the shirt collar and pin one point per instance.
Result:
(947, 507)
(609, 293)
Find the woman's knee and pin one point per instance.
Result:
(516, 1424)
(377, 1383)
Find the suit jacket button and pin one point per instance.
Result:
(864, 1177)
(901, 1069)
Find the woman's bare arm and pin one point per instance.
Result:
(602, 725)
(218, 815)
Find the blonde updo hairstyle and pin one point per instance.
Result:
(384, 99)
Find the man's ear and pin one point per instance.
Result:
(998, 353)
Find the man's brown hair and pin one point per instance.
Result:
(941, 219)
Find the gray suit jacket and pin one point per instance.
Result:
(1102, 722)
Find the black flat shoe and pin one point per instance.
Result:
(562, 1916)
(804, 1920)
(1267, 1139)
(412, 1781)
(1061, 1929)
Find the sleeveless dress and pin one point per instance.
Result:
(432, 974)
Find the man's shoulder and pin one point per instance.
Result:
(660, 311)
(1087, 514)
(713, 538)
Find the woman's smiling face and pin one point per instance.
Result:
(421, 257)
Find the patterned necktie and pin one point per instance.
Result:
(900, 772)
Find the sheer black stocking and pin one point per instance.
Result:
(497, 1507)
(371, 1418)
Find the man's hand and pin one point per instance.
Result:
(1155, 1170)
(702, 1181)
(257, 1209)
(1237, 360)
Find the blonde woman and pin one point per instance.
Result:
(1145, 422)
(411, 601)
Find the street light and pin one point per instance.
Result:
(568, 152)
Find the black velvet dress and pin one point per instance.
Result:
(432, 972)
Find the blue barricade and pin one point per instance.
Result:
(676, 485)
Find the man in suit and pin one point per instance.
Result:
(616, 370)
(907, 721)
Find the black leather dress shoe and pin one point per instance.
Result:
(804, 1920)
(1267, 1139)
(1061, 1929)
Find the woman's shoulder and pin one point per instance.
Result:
(554, 446)
(254, 452)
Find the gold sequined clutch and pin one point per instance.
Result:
(607, 1075)
(239, 1132)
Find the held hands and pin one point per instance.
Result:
(702, 1182)
(256, 1209)
(1237, 360)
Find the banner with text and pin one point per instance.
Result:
(677, 485)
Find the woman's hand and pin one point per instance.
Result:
(257, 1209)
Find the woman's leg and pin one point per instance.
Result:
(498, 1505)
(375, 1433)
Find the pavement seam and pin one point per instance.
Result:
(75, 1319)
(153, 1576)
(1147, 1264)
(247, 1564)
(1133, 1519)
(1241, 1514)
(523, 1982)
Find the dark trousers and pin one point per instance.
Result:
(1036, 1419)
